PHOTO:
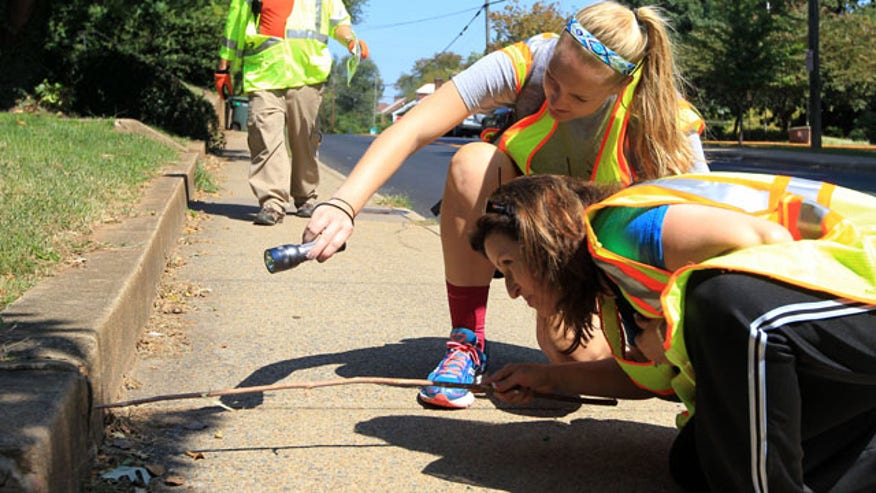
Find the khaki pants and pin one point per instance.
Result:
(274, 117)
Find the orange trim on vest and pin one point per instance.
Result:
(789, 211)
(522, 125)
(521, 59)
(605, 140)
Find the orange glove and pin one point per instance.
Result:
(223, 83)
(363, 48)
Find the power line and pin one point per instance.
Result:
(417, 21)
(482, 7)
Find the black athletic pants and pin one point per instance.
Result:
(785, 389)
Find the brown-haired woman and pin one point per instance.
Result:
(750, 298)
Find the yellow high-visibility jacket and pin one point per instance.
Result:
(268, 62)
(834, 252)
(531, 135)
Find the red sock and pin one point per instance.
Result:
(468, 308)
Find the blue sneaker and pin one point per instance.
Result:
(463, 363)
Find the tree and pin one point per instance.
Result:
(733, 54)
(848, 66)
(356, 9)
(683, 15)
(350, 109)
(441, 66)
(515, 23)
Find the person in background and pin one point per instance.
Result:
(281, 48)
(600, 101)
(750, 298)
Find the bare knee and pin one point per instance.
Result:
(475, 168)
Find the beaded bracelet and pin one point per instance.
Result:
(336, 206)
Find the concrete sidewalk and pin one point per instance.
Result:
(377, 309)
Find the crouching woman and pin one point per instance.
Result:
(751, 298)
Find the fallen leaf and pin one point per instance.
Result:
(194, 455)
(174, 481)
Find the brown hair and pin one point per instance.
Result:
(545, 214)
(657, 143)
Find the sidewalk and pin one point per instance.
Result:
(377, 309)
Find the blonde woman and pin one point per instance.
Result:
(600, 101)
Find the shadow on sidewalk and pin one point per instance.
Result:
(237, 212)
(544, 455)
(411, 358)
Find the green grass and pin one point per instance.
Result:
(58, 178)
(204, 180)
(400, 201)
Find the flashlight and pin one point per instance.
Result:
(286, 257)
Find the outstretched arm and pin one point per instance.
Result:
(433, 117)
(516, 383)
(694, 233)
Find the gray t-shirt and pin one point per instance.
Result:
(491, 83)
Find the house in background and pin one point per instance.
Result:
(422, 92)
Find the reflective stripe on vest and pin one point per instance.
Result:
(269, 62)
(838, 255)
(611, 164)
(791, 202)
(523, 139)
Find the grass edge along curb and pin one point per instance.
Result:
(59, 178)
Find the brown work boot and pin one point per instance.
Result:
(268, 217)
(305, 209)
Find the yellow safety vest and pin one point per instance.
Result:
(523, 140)
(268, 62)
(834, 252)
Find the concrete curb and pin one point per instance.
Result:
(812, 159)
(70, 338)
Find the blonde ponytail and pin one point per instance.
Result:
(656, 141)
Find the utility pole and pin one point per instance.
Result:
(812, 65)
(487, 26)
(374, 113)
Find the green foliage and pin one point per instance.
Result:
(683, 15)
(59, 177)
(52, 96)
(848, 66)
(866, 124)
(179, 38)
(734, 53)
(515, 23)
(350, 109)
(356, 9)
(441, 66)
(204, 180)
(395, 201)
(117, 84)
(122, 58)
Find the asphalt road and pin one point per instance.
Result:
(421, 177)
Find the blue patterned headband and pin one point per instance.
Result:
(593, 45)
